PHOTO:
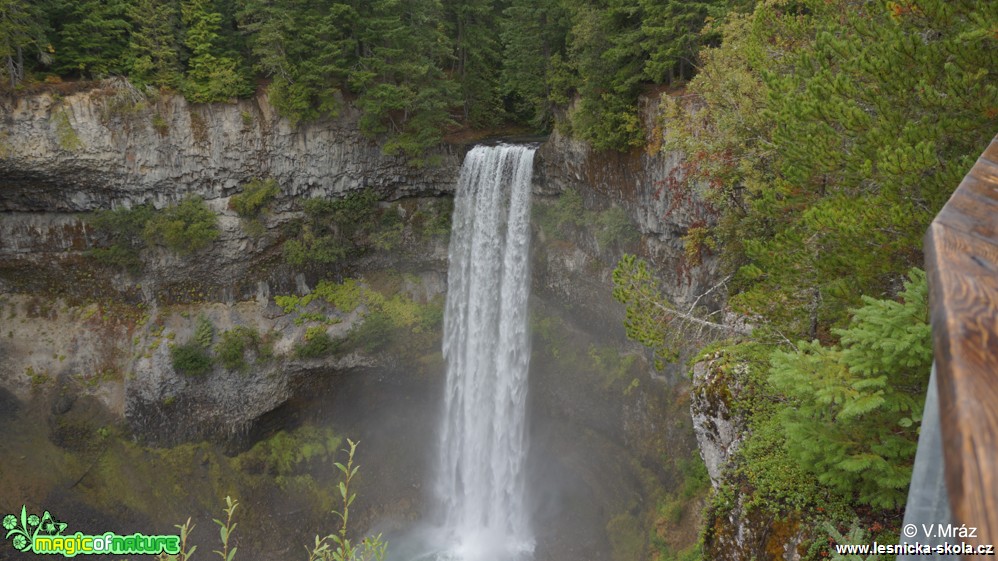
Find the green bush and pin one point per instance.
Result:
(374, 333)
(568, 210)
(233, 344)
(331, 230)
(188, 227)
(314, 250)
(611, 227)
(123, 228)
(191, 359)
(318, 343)
(438, 223)
(255, 198)
(431, 315)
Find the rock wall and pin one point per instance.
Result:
(114, 146)
(647, 184)
(718, 425)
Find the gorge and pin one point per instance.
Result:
(607, 421)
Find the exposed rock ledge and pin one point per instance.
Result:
(114, 145)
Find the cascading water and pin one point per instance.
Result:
(483, 442)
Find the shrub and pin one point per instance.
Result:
(188, 227)
(255, 198)
(439, 221)
(123, 228)
(345, 296)
(314, 249)
(317, 343)
(233, 344)
(190, 359)
(614, 227)
(331, 229)
(374, 333)
(431, 315)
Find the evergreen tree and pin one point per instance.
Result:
(672, 35)
(92, 36)
(211, 74)
(154, 46)
(476, 60)
(605, 49)
(22, 32)
(655, 322)
(856, 407)
(533, 34)
(306, 47)
(830, 169)
(403, 89)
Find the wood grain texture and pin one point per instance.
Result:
(961, 251)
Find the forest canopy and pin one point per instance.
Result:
(416, 68)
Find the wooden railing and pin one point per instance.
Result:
(961, 253)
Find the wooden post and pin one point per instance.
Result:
(961, 253)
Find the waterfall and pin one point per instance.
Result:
(483, 446)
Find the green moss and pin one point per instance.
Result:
(290, 453)
(65, 133)
(38, 379)
(160, 124)
(169, 484)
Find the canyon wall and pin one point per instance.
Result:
(77, 330)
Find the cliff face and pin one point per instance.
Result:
(63, 157)
(113, 146)
(647, 184)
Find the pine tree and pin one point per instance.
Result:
(476, 59)
(655, 322)
(671, 35)
(154, 46)
(533, 35)
(92, 37)
(856, 407)
(404, 92)
(306, 47)
(211, 74)
(605, 48)
(830, 134)
(22, 32)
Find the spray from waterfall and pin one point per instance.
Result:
(483, 447)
